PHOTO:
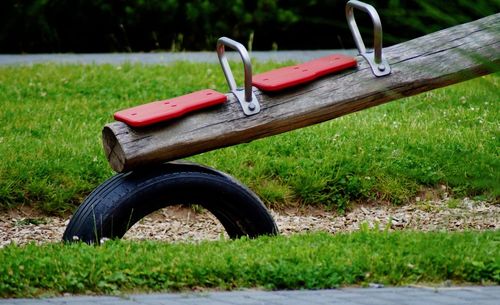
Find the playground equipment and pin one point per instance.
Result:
(143, 138)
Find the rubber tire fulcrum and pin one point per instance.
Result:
(117, 204)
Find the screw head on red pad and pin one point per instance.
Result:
(155, 112)
(286, 77)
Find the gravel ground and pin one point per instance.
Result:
(183, 224)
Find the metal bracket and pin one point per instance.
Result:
(375, 58)
(245, 97)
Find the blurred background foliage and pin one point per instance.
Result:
(33, 26)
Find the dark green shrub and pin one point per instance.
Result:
(146, 25)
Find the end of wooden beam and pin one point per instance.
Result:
(112, 148)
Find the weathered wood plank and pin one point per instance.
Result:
(432, 61)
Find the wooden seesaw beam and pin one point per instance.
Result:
(436, 60)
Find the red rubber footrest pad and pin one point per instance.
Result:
(286, 77)
(155, 112)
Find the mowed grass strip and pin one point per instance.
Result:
(311, 261)
(52, 115)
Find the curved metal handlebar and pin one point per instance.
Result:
(378, 64)
(249, 101)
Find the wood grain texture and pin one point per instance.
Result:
(432, 61)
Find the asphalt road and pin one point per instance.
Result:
(348, 296)
(160, 58)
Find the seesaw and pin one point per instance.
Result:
(144, 140)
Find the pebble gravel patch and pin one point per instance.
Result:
(182, 224)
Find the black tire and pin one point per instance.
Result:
(117, 204)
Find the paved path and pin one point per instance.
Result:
(161, 58)
(347, 296)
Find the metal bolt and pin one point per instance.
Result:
(381, 67)
(251, 106)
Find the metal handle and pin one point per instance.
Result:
(378, 63)
(248, 101)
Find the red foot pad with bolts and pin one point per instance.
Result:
(286, 77)
(160, 111)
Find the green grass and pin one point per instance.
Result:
(52, 115)
(310, 261)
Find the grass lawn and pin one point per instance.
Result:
(309, 261)
(52, 116)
